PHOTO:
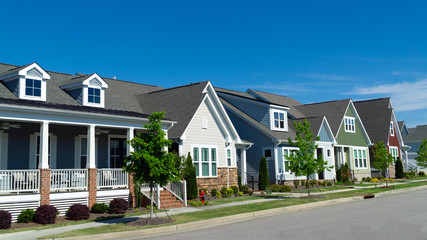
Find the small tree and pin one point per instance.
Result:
(302, 162)
(422, 154)
(399, 169)
(189, 175)
(263, 182)
(381, 159)
(150, 162)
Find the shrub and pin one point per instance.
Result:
(26, 216)
(224, 190)
(5, 219)
(239, 181)
(244, 188)
(100, 208)
(214, 191)
(250, 191)
(78, 212)
(196, 203)
(218, 195)
(368, 179)
(339, 174)
(329, 184)
(296, 183)
(235, 189)
(399, 169)
(190, 176)
(303, 183)
(118, 205)
(323, 183)
(275, 188)
(263, 174)
(230, 192)
(313, 183)
(45, 214)
(345, 173)
(421, 173)
(285, 188)
(240, 194)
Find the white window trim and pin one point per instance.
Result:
(109, 146)
(354, 158)
(289, 149)
(78, 150)
(85, 93)
(33, 150)
(391, 148)
(285, 119)
(231, 156)
(204, 123)
(350, 128)
(22, 85)
(391, 128)
(210, 147)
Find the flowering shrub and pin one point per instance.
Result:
(250, 191)
(5, 219)
(374, 180)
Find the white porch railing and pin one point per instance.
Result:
(17, 181)
(68, 179)
(178, 189)
(145, 189)
(112, 178)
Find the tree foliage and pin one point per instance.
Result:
(263, 182)
(302, 162)
(189, 174)
(381, 159)
(422, 154)
(150, 162)
(399, 169)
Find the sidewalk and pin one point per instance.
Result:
(34, 234)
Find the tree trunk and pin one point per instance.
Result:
(151, 200)
(387, 175)
(308, 185)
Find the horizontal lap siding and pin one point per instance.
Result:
(17, 203)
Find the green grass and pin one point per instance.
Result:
(323, 189)
(236, 199)
(227, 211)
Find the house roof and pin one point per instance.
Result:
(416, 134)
(279, 100)
(179, 103)
(121, 95)
(238, 94)
(376, 116)
(13, 69)
(334, 111)
(276, 135)
(401, 124)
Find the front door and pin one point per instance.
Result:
(320, 153)
(117, 152)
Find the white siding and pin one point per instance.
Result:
(212, 135)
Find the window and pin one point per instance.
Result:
(328, 153)
(205, 161)
(286, 154)
(349, 124)
(83, 152)
(94, 95)
(229, 157)
(33, 87)
(360, 158)
(279, 120)
(391, 129)
(394, 152)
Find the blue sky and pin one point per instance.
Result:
(309, 50)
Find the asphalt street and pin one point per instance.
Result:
(396, 216)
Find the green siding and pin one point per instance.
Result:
(348, 138)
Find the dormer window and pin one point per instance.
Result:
(278, 119)
(88, 90)
(94, 95)
(391, 129)
(33, 87)
(27, 82)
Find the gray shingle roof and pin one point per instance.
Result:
(334, 111)
(376, 117)
(13, 69)
(416, 134)
(280, 100)
(121, 95)
(179, 103)
(239, 94)
(315, 124)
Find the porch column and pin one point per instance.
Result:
(243, 166)
(44, 164)
(131, 184)
(91, 166)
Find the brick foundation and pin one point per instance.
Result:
(92, 186)
(44, 186)
(132, 197)
(225, 176)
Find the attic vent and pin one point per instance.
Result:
(204, 123)
(34, 73)
(94, 82)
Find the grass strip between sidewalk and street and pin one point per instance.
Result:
(227, 211)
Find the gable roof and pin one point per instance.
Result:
(121, 95)
(376, 116)
(315, 124)
(278, 100)
(179, 103)
(334, 111)
(416, 134)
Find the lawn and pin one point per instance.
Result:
(322, 189)
(226, 211)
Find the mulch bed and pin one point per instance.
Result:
(64, 219)
(149, 221)
(387, 186)
(312, 196)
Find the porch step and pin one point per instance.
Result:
(168, 200)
